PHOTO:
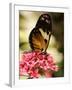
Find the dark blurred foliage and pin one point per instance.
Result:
(58, 32)
(58, 27)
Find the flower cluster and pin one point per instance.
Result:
(34, 64)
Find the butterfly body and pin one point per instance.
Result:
(40, 35)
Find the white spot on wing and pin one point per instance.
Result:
(44, 34)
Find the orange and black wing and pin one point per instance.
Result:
(40, 35)
(36, 40)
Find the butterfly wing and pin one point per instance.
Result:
(36, 40)
(46, 36)
(40, 35)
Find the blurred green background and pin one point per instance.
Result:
(28, 20)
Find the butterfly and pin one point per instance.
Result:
(40, 35)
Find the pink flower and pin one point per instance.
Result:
(32, 62)
(34, 73)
